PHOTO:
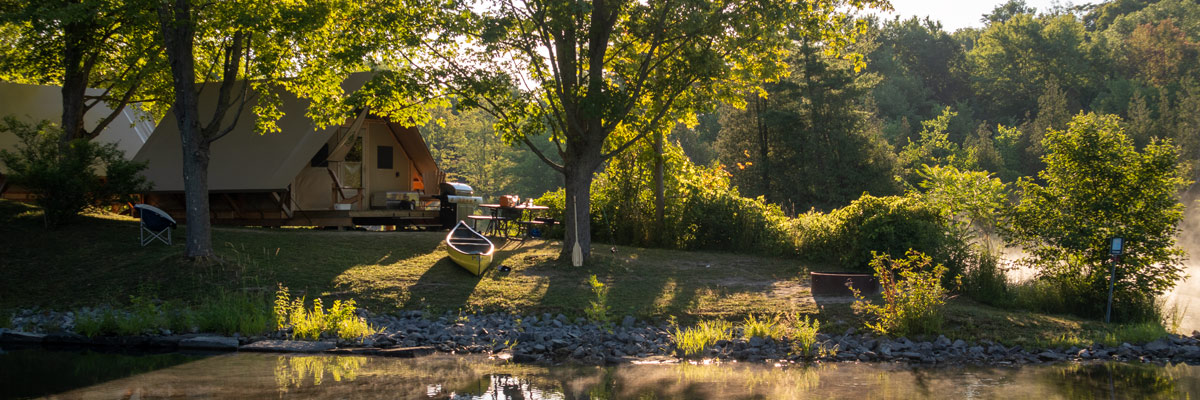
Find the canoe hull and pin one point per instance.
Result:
(469, 249)
(473, 263)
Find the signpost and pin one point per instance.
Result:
(1116, 246)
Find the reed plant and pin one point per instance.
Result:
(694, 340)
(766, 328)
(804, 334)
(340, 320)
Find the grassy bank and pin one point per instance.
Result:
(99, 261)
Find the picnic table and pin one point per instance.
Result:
(501, 218)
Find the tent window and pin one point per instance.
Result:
(384, 157)
(321, 159)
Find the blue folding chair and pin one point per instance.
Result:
(155, 222)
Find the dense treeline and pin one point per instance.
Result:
(942, 141)
(978, 99)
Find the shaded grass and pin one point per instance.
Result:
(99, 261)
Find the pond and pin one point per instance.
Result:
(86, 374)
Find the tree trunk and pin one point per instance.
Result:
(763, 146)
(660, 202)
(75, 81)
(178, 32)
(578, 173)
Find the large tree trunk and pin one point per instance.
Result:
(578, 173)
(75, 80)
(178, 32)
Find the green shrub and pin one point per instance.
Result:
(245, 313)
(804, 335)
(912, 293)
(890, 225)
(767, 328)
(985, 282)
(63, 176)
(1097, 185)
(702, 209)
(694, 340)
(597, 309)
(339, 321)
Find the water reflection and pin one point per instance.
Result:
(34, 372)
(456, 377)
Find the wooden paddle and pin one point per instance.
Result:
(576, 252)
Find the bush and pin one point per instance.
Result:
(63, 176)
(889, 225)
(912, 292)
(702, 210)
(1098, 186)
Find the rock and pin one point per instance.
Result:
(958, 344)
(171, 341)
(287, 346)
(628, 321)
(1156, 346)
(21, 337)
(1049, 356)
(410, 352)
(910, 354)
(756, 342)
(65, 338)
(941, 342)
(209, 343)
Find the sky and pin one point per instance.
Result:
(955, 14)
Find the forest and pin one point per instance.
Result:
(930, 141)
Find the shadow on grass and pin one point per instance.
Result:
(446, 282)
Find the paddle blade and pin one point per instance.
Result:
(577, 254)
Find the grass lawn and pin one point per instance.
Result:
(99, 261)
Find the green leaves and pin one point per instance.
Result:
(1098, 186)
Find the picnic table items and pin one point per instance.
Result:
(501, 217)
(155, 222)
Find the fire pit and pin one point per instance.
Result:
(837, 283)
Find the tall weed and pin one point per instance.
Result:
(912, 292)
(695, 340)
(339, 321)
(597, 310)
(804, 335)
(767, 328)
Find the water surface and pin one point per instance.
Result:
(247, 375)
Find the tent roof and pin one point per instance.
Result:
(34, 103)
(245, 160)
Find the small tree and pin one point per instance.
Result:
(63, 179)
(1098, 186)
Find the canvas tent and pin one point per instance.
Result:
(367, 170)
(35, 103)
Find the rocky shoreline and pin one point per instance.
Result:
(552, 339)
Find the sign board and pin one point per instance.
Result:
(1116, 246)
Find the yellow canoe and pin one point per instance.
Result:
(469, 249)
